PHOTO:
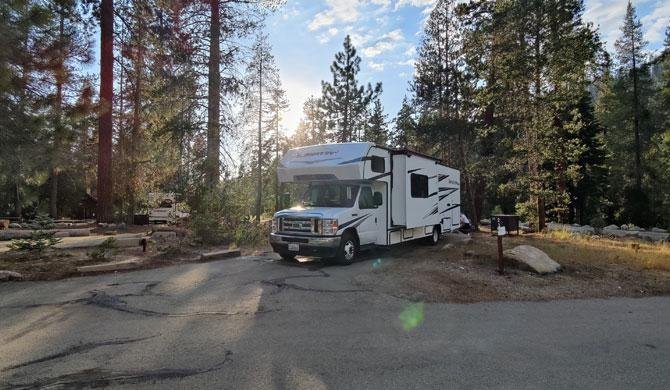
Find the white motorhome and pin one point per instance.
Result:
(360, 194)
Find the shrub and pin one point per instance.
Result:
(250, 233)
(101, 251)
(208, 217)
(527, 211)
(597, 222)
(39, 239)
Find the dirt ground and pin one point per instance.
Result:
(466, 272)
(452, 271)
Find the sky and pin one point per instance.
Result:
(306, 34)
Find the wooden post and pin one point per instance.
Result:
(501, 266)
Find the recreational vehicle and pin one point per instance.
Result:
(360, 194)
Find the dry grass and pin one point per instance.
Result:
(466, 273)
(598, 250)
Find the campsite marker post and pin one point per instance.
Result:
(501, 232)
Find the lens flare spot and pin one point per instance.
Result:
(377, 263)
(412, 316)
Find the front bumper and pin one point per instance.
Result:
(319, 246)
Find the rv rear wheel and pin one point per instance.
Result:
(348, 250)
(434, 238)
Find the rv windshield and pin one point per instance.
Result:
(330, 195)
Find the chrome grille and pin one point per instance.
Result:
(302, 225)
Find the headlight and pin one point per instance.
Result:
(275, 225)
(328, 227)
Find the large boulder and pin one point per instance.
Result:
(526, 256)
(611, 227)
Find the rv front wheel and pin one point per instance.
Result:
(348, 249)
(434, 238)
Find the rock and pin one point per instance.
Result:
(485, 222)
(530, 257)
(15, 225)
(110, 233)
(62, 233)
(658, 230)
(9, 275)
(122, 265)
(219, 255)
(611, 227)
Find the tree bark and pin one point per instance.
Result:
(212, 164)
(259, 184)
(58, 104)
(104, 190)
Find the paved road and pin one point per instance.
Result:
(257, 323)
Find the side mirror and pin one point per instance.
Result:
(377, 197)
(285, 199)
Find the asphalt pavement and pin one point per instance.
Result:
(257, 323)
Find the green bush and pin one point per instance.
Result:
(527, 211)
(250, 233)
(38, 242)
(103, 250)
(39, 239)
(208, 220)
(597, 222)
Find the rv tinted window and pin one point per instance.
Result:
(419, 185)
(366, 201)
(377, 164)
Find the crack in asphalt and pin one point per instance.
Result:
(96, 377)
(113, 302)
(76, 349)
(282, 284)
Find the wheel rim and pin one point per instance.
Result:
(349, 249)
(435, 236)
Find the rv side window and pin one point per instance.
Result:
(419, 185)
(377, 164)
(366, 200)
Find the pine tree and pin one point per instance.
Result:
(313, 124)
(375, 129)
(344, 101)
(104, 188)
(437, 73)
(263, 82)
(629, 49)
(404, 132)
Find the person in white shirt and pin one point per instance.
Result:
(465, 224)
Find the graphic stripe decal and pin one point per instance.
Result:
(441, 177)
(346, 224)
(379, 176)
(413, 170)
(450, 208)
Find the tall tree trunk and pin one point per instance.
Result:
(135, 138)
(259, 184)
(104, 212)
(18, 210)
(277, 158)
(212, 164)
(58, 125)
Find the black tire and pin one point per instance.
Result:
(348, 250)
(288, 257)
(434, 238)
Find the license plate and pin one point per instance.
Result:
(293, 247)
